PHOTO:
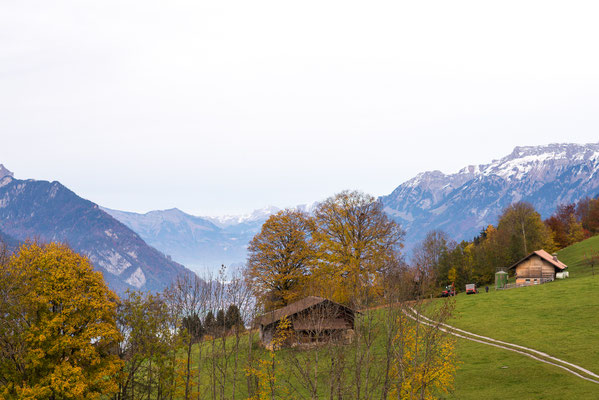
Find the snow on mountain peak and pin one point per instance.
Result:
(521, 161)
(463, 202)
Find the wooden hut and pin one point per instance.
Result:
(536, 268)
(313, 319)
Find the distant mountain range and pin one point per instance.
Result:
(201, 243)
(120, 243)
(460, 204)
(48, 211)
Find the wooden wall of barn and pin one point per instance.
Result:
(535, 268)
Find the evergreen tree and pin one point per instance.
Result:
(192, 324)
(210, 323)
(220, 324)
(233, 317)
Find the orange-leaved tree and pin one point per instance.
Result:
(279, 258)
(58, 332)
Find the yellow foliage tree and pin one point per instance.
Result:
(355, 242)
(266, 371)
(425, 361)
(57, 330)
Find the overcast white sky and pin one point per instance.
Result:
(222, 107)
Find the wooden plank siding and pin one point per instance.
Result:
(534, 270)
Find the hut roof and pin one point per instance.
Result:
(293, 308)
(545, 256)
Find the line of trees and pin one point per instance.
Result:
(574, 222)
(340, 252)
(519, 231)
(64, 334)
(347, 250)
(69, 336)
(185, 343)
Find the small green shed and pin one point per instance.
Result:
(500, 280)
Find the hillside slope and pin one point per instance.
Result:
(560, 318)
(48, 211)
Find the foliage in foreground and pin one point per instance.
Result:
(58, 328)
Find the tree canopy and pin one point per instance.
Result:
(58, 331)
(279, 258)
(355, 242)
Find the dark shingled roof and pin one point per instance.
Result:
(545, 256)
(293, 308)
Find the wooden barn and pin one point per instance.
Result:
(313, 319)
(537, 267)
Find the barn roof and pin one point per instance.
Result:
(545, 256)
(292, 309)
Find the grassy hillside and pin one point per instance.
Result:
(560, 318)
(573, 256)
(490, 373)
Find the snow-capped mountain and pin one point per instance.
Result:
(48, 211)
(464, 202)
(460, 203)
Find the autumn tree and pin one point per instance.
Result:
(58, 326)
(564, 226)
(521, 231)
(587, 211)
(146, 346)
(355, 241)
(279, 258)
(591, 260)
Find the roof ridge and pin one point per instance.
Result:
(293, 308)
(545, 256)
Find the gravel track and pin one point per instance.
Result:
(526, 351)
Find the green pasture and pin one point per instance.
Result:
(560, 318)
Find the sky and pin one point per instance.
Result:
(223, 107)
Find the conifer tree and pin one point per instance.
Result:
(210, 323)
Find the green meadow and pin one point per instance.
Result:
(560, 318)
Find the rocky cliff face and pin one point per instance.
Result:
(463, 203)
(48, 211)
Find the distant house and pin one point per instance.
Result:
(313, 319)
(537, 267)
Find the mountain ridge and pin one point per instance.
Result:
(49, 211)
(464, 202)
(461, 203)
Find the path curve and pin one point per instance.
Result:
(526, 351)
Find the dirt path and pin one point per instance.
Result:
(526, 351)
